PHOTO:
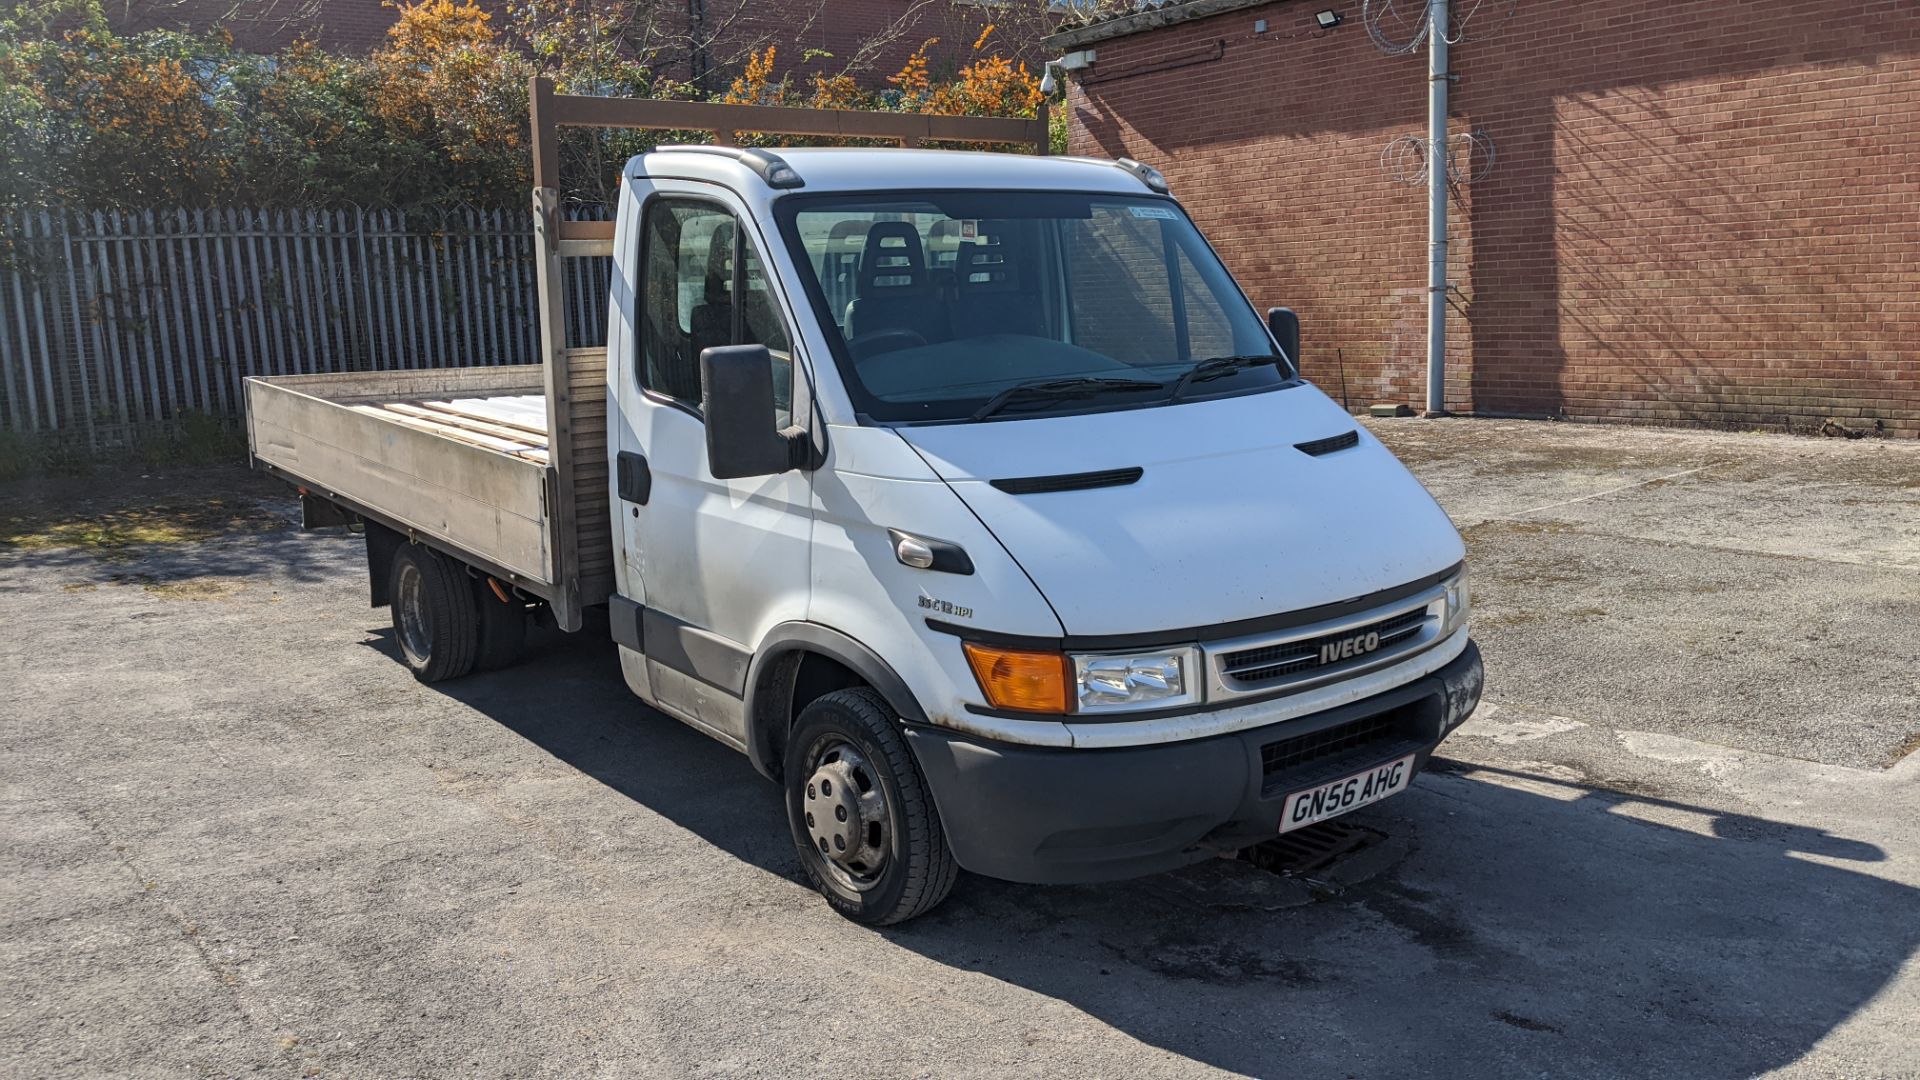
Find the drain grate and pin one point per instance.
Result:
(1311, 850)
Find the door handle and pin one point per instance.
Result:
(634, 479)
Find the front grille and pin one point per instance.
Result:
(1367, 732)
(1270, 662)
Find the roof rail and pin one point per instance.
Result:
(1148, 175)
(768, 166)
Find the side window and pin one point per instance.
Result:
(704, 285)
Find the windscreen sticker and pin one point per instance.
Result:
(1157, 213)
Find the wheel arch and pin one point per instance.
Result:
(800, 658)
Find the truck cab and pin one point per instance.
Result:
(965, 493)
(1012, 466)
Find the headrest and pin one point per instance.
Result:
(892, 267)
(983, 265)
(720, 264)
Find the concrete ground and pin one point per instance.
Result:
(1681, 838)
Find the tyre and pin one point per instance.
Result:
(865, 826)
(435, 619)
(502, 627)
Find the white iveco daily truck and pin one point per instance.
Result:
(964, 493)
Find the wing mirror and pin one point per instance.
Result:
(1285, 327)
(736, 394)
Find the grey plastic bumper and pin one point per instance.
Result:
(1056, 816)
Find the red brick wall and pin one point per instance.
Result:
(1699, 211)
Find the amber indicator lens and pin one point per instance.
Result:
(1014, 679)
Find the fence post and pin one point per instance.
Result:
(220, 301)
(77, 341)
(16, 368)
(126, 255)
(51, 389)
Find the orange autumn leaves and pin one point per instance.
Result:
(437, 114)
(987, 85)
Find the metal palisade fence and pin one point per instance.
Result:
(117, 324)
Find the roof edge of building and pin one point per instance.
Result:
(1080, 37)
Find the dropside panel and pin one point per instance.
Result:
(339, 436)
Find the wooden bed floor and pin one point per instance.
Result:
(514, 424)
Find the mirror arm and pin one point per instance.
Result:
(802, 454)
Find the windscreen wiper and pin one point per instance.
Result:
(1044, 389)
(1218, 367)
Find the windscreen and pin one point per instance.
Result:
(978, 305)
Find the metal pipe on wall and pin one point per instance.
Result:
(1437, 84)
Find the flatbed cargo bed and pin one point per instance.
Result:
(457, 458)
(513, 424)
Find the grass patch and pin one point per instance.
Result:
(109, 513)
(106, 531)
(200, 588)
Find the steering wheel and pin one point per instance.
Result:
(863, 345)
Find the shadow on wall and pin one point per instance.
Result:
(1527, 934)
(1694, 321)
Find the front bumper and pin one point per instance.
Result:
(1051, 816)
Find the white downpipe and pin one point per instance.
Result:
(1437, 83)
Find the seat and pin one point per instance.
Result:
(712, 320)
(894, 290)
(988, 298)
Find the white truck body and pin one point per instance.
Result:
(1252, 615)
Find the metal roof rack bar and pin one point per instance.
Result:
(552, 111)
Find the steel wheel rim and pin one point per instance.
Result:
(846, 815)
(410, 604)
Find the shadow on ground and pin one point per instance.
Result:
(1537, 929)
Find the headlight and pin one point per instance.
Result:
(1459, 604)
(1156, 679)
(1080, 683)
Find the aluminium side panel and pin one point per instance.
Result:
(465, 498)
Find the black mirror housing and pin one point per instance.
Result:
(1285, 327)
(736, 394)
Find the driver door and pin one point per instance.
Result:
(715, 563)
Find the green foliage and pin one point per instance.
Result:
(438, 114)
(91, 118)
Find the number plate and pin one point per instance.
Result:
(1303, 808)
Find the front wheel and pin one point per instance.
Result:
(865, 826)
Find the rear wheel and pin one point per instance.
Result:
(435, 620)
(864, 824)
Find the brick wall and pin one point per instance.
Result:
(1699, 211)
